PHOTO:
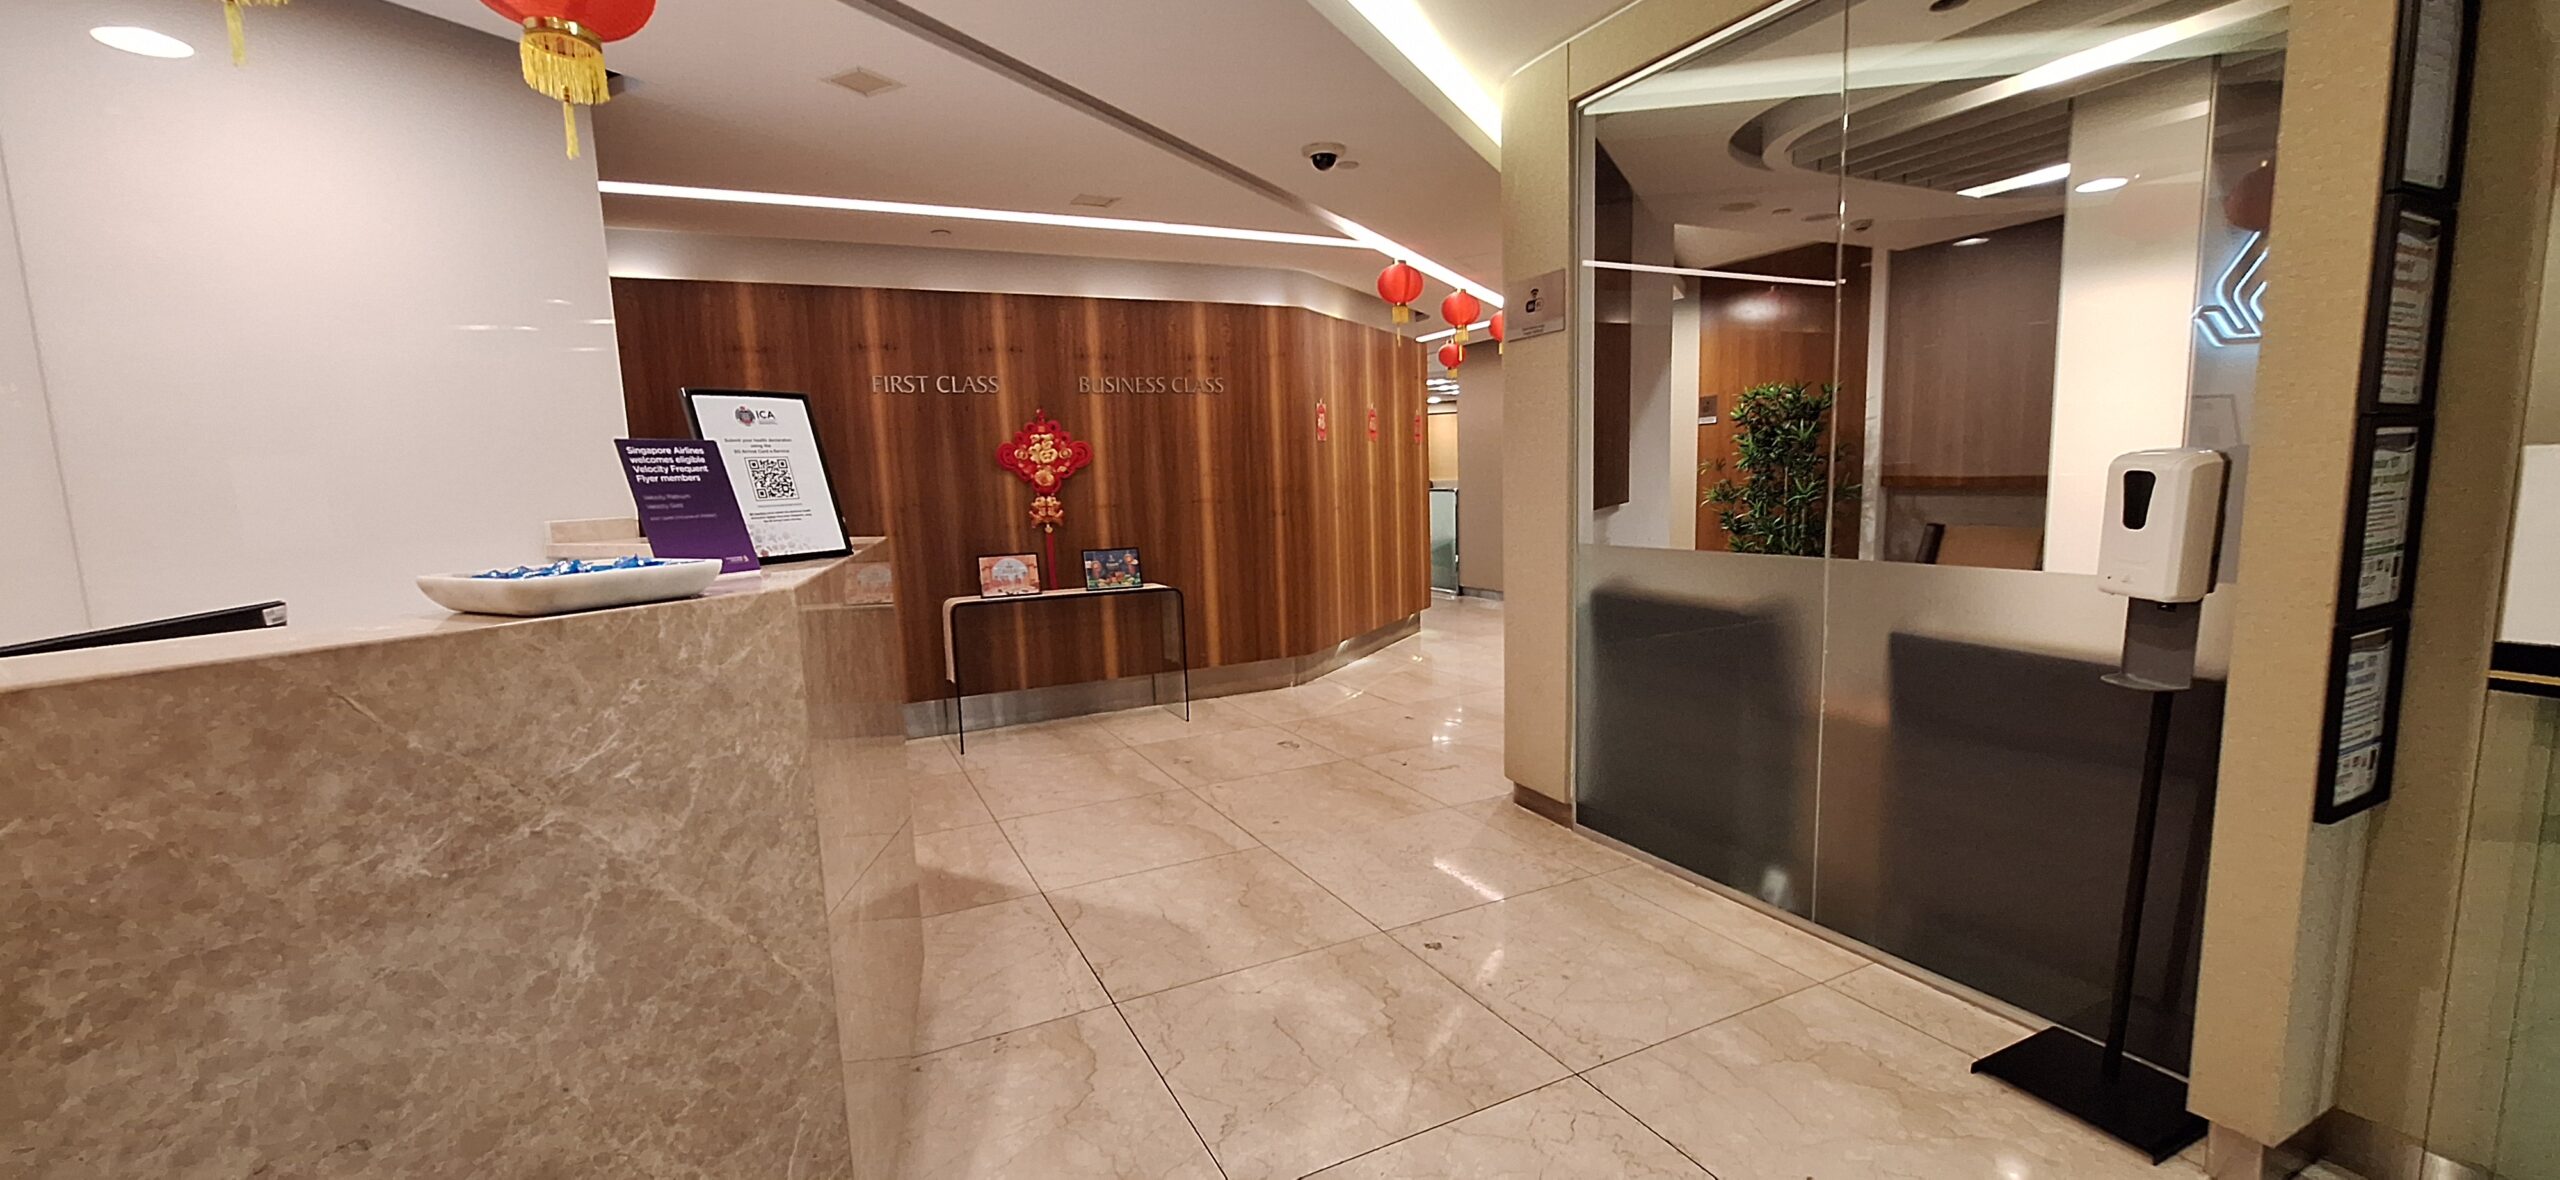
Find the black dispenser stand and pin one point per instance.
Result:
(2134, 1101)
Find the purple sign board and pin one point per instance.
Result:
(681, 486)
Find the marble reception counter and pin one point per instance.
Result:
(627, 893)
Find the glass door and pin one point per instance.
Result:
(1874, 290)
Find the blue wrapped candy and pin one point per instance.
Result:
(572, 565)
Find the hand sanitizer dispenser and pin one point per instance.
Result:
(2164, 512)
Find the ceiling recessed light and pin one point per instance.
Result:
(1945, 5)
(1435, 400)
(939, 233)
(2045, 175)
(2103, 184)
(1093, 201)
(136, 39)
(1971, 241)
(866, 82)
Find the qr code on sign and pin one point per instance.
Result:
(772, 478)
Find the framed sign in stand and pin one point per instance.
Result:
(779, 471)
(2395, 405)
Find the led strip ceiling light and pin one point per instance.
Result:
(1362, 238)
(2045, 175)
(1746, 276)
(1404, 26)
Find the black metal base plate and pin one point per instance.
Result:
(2140, 1106)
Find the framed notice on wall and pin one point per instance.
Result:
(2364, 703)
(2388, 513)
(2433, 37)
(780, 475)
(2407, 307)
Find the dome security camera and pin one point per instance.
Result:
(1325, 156)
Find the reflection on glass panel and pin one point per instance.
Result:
(1978, 791)
(2497, 1069)
(1720, 308)
(1699, 712)
(1444, 539)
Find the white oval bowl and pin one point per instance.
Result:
(554, 594)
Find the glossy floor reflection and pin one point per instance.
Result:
(1307, 933)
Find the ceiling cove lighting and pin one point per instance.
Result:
(1446, 333)
(2045, 175)
(2132, 46)
(1744, 275)
(2103, 184)
(626, 188)
(1972, 241)
(136, 39)
(1360, 236)
(1404, 26)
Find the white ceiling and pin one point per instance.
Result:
(732, 95)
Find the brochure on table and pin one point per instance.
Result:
(770, 447)
(687, 509)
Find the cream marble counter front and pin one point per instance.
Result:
(583, 895)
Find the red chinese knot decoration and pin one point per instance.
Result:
(563, 47)
(1373, 424)
(1043, 455)
(1400, 285)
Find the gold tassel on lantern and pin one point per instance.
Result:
(239, 36)
(565, 61)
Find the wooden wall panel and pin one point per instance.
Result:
(1284, 546)
(1970, 337)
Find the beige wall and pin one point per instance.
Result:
(308, 327)
(1443, 440)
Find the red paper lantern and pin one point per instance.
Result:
(1461, 310)
(1400, 285)
(1452, 355)
(563, 47)
(1493, 328)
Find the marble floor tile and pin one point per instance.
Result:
(1446, 773)
(1044, 739)
(1225, 757)
(1489, 701)
(1794, 949)
(1545, 835)
(1425, 866)
(997, 968)
(1293, 1066)
(967, 867)
(1328, 799)
(1431, 680)
(1378, 728)
(1166, 927)
(1561, 1131)
(930, 756)
(1977, 1031)
(1315, 698)
(1073, 1099)
(1816, 1084)
(1064, 849)
(1156, 723)
(1016, 787)
(1591, 972)
(947, 801)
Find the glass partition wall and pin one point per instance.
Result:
(1872, 293)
